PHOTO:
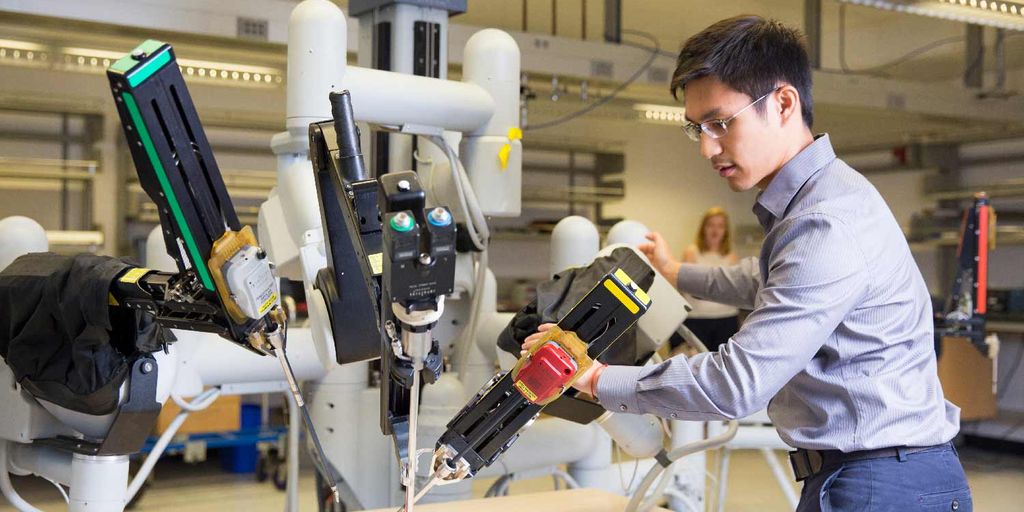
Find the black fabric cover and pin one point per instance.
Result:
(557, 297)
(57, 333)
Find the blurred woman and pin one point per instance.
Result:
(713, 323)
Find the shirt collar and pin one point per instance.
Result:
(775, 198)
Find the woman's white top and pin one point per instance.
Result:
(708, 309)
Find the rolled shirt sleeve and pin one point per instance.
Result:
(815, 278)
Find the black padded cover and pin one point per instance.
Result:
(58, 334)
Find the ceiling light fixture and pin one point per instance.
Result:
(993, 13)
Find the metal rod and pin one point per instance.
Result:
(414, 398)
(277, 341)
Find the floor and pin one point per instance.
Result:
(996, 478)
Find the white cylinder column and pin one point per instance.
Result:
(98, 483)
(574, 242)
(628, 232)
(18, 236)
(317, 49)
(493, 154)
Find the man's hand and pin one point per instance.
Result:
(658, 252)
(586, 382)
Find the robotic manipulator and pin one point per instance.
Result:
(225, 283)
(391, 261)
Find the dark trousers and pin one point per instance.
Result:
(930, 480)
(713, 332)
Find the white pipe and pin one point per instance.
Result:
(640, 435)
(637, 501)
(205, 399)
(12, 496)
(398, 99)
(723, 479)
(782, 476)
(46, 461)
(206, 360)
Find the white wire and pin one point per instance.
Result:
(570, 482)
(204, 399)
(475, 220)
(479, 233)
(59, 487)
(622, 476)
(196, 404)
(430, 181)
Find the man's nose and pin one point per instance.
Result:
(709, 147)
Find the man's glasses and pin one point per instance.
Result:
(716, 128)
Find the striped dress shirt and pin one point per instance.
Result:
(839, 343)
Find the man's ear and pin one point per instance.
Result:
(788, 103)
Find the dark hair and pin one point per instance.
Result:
(750, 54)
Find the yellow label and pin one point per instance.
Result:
(111, 300)
(266, 305)
(623, 298)
(638, 292)
(530, 395)
(503, 155)
(133, 275)
(515, 133)
(376, 263)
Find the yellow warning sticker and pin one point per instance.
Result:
(530, 395)
(133, 275)
(623, 298)
(266, 305)
(638, 292)
(376, 263)
(111, 300)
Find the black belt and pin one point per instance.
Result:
(807, 463)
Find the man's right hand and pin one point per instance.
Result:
(658, 252)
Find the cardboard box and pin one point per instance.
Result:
(966, 377)
(223, 415)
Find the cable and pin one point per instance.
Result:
(60, 488)
(655, 51)
(196, 404)
(204, 399)
(570, 482)
(637, 502)
(874, 70)
(476, 224)
(622, 477)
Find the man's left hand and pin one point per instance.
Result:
(585, 382)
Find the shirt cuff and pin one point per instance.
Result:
(616, 388)
(693, 279)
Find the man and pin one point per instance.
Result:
(838, 345)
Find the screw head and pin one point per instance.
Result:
(147, 367)
(402, 222)
(138, 54)
(426, 259)
(440, 217)
(404, 185)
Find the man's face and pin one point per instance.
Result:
(747, 155)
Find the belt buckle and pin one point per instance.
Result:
(805, 463)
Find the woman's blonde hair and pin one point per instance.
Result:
(702, 246)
